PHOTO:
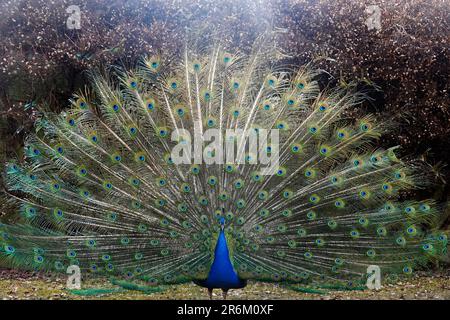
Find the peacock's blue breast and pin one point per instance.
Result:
(222, 274)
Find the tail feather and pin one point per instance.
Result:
(99, 187)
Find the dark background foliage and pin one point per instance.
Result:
(405, 64)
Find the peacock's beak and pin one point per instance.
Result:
(222, 222)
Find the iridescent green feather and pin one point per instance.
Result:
(98, 187)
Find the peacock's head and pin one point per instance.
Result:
(222, 222)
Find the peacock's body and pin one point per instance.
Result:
(221, 273)
(100, 187)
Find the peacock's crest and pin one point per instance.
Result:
(100, 186)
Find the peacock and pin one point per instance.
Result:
(129, 184)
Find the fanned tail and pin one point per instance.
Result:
(102, 186)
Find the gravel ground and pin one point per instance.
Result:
(24, 285)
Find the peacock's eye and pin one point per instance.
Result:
(364, 127)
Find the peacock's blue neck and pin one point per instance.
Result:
(222, 274)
